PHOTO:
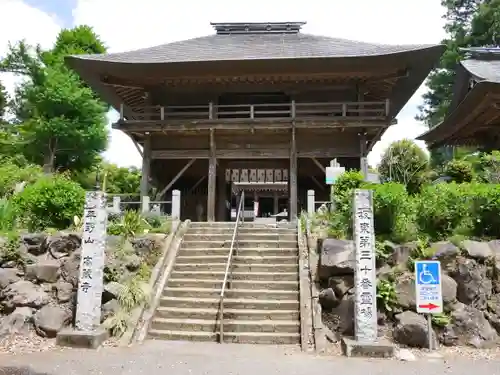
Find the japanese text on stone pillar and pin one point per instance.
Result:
(90, 285)
(365, 274)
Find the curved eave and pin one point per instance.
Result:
(463, 115)
(419, 61)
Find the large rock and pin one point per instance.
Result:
(412, 330)
(33, 242)
(51, 319)
(342, 285)
(328, 299)
(8, 276)
(111, 291)
(145, 245)
(62, 244)
(109, 309)
(446, 253)
(24, 293)
(64, 291)
(405, 291)
(470, 327)
(400, 253)
(337, 257)
(449, 289)
(473, 286)
(477, 250)
(70, 268)
(17, 322)
(43, 271)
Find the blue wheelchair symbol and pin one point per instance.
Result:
(427, 273)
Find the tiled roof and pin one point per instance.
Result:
(253, 46)
(488, 70)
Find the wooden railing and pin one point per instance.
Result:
(292, 110)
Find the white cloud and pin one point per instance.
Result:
(130, 24)
(20, 21)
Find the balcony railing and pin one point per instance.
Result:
(292, 110)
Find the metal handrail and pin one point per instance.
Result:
(239, 212)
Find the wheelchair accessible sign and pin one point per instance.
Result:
(428, 287)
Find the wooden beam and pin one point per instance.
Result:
(255, 154)
(146, 167)
(196, 185)
(212, 176)
(136, 145)
(247, 125)
(315, 180)
(174, 180)
(293, 177)
(320, 166)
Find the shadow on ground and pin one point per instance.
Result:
(24, 370)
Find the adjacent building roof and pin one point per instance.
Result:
(474, 113)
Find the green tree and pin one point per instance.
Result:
(3, 101)
(406, 163)
(60, 122)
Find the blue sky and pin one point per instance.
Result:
(132, 24)
(61, 9)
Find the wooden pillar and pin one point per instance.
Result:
(293, 177)
(146, 166)
(221, 192)
(212, 176)
(363, 161)
(275, 203)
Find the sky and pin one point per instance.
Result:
(126, 25)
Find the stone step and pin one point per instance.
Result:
(237, 259)
(209, 313)
(245, 224)
(265, 267)
(256, 251)
(271, 294)
(235, 284)
(236, 275)
(241, 230)
(240, 237)
(230, 337)
(230, 303)
(173, 324)
(242, 244)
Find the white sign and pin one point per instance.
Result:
(90, 283)
(332, 173)
(365, 276)
(428, 286)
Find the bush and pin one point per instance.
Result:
(51, 202)
(393, 212)
(485, 210)
(459, 170)
(346, 182)
(441, 209)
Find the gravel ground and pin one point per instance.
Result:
(176, 358)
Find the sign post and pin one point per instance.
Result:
(365, 276)
(428, 291)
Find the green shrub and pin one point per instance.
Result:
(485, 210)
(443, 208)
(51, 202)
(12, 174)
(459, 170)
(346, 182)
(393, 212)
(8, 215)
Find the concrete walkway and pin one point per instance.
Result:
(176, 358)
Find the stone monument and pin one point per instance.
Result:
(87, 332)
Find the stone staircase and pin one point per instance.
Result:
(261, 303)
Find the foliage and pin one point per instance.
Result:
(459, 170)
(421, 251)
(51, 202)
(406, 163)
(383, 250)
(387, 298)
(485, 210)
(440, 320)
(8, 215)
(441, 209)
(487, 167)
(393, 212)
(10, 249)
(59, 122)
(11, 174)
(118, 180)
(129, 225)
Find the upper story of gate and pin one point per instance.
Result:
(245, 74)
